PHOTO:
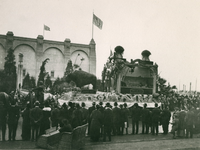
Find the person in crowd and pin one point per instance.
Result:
(175, 123)
(197, 120)
(181, 126)
(145, 115)
(135, 114)
(36, 115)
(26, 125)
(70, 111)
(90, 110)
(4, 105)
(96, 122)
(165, 118)
(176, 111)
(77, 116)
(66, 126)
(55, 116)
(189, 118)
(13, 117)
(101, 109)
(45, 121)
(84, 113)
(116, 120)
(127, 114)
(155, 119)
(107, 122)
(64, 114)
(122, 119)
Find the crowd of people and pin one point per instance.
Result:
(104, 120)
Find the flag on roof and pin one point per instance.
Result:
(46, 28)
(97, 21)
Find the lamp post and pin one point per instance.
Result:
(20, 66)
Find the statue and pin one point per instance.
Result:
(81, 78)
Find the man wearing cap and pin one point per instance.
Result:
(36, 115)
(107, 122)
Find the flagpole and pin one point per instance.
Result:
(92, 24)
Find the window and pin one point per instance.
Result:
(52, 74)
(24, 72)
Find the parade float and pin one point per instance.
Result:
(122, 81)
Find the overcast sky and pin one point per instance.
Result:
(169, 29)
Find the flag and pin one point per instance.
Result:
(97, 21)
(46, 28)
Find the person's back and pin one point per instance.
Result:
(145, 113)
(108, 117)
(156, 114)
(155, 119)
(116, 114)
(189, 118)
(55, 114)
(135, 113)
(36, 114)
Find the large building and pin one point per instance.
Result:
(35, 51)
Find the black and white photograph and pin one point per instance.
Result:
(100, 74)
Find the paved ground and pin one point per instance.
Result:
(125, 142)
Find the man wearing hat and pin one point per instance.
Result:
(145, 115)
(107, 122)
(90, 110)
(116, 119)
(13, 117)
(36, 115)
(84, 113)
(155, 119)
(135, 114)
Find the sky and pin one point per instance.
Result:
(169, 29)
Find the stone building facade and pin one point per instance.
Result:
(35, 51)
